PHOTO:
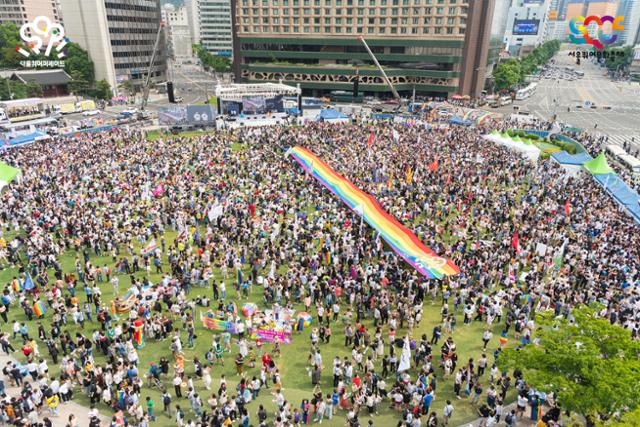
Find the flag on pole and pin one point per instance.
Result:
(503, 341)
(28, 284)
(239, 274)
(158, 191)
(370, 142)
(389, 182)
(409, 175)
(150, 248)
(15, 283)
(567, 208)
(39, 309)
(328, 258)
(434, 165)
(405, 357)
(515, 242)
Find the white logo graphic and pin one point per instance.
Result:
(201, 117)
(42, 30)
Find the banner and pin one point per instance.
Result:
(200, 115)
(270, 335)
(174, 115)
(124, 305)
(254, 105)
(211, 323)
(399, 237)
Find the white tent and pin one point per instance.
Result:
(530, 151)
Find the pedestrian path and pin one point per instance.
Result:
(64, 410)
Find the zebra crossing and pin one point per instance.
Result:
(621, 139)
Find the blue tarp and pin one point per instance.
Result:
(331, 114)
(24, 139)
(459, 121)
(620, 191)
(382, 116)
(565, 158)
(92, 130)
(293, 111)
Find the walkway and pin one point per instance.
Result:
(64, 410)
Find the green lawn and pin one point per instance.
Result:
(293, 361)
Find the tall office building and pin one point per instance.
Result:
(23, 11)
(602, 8)
(193, 16)
(119, 36)
(178, 33)
(496, 38)
(526, 25)
(630, 9)
(438, 47)
(211, 25)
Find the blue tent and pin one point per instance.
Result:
(565, 158)
(621, 192)
(25, 139)
(330, 114)
(459, 121)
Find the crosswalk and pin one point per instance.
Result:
(621, 139)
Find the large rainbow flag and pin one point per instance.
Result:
(401, 239)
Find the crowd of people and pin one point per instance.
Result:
(524, 236)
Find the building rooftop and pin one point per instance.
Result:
(42, 77)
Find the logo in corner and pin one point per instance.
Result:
(35, 34)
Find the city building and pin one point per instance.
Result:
(437, 47)
(526, 25)
(23, 11)
(630, 9)
(119, 36)
(178, 33)
(210, 21)
(634, 69)
(602, 8)
(496, 37)
(556, 30)
(193, 16)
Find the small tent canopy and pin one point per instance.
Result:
(598, 166)
(7, 174)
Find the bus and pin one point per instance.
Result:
(344, 96)
(526, 92)
(505, 100)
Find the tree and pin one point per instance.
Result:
(79, 66)
(9, 39)
(102, 90)
(217, 63)
(129, 87)
(78, 85)
(507, 74)
(592, 366)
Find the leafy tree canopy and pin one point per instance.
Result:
(592, 366)
(217, 63)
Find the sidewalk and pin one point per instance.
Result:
(64, 410)
(521, 422)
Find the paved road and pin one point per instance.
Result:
(64, 410)
(621, 122)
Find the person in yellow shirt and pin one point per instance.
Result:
(53, 402)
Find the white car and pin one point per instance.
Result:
(91, 113)
(130, 111)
